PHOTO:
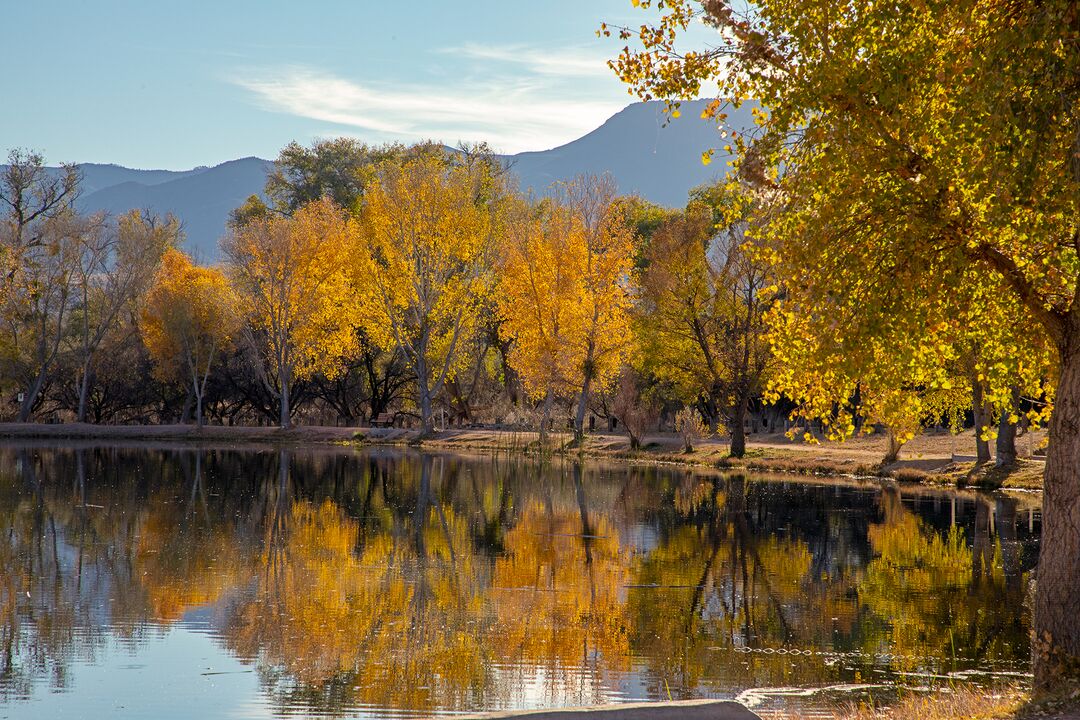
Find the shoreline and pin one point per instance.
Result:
(929, 459)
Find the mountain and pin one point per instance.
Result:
(646, 157)
(96, 176)
(649, 154)
(201, 198)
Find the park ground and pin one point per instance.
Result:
(938, 458)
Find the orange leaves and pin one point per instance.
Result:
(188, 315)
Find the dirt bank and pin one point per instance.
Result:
(939, 458)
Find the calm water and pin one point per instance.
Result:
(179, 583)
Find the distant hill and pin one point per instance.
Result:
(200, 198)
(659, 162)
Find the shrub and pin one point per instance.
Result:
(691, 427)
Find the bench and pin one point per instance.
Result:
(383, 420)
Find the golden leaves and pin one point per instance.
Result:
(562, 288)
(421, 257)
(291, 277)
(188, 315)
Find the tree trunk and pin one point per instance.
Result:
(583, 405)
(892, 452)
(982, 420)
(286, 411)
(737, 427)
(545, 418)
(423, 389)
(1056, 645)
(1006, 442)
(1006, 439)
(84, 390)
(427, 418)
(31, 397)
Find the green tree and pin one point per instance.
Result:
(702, 305)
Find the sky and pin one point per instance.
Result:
(174, 84)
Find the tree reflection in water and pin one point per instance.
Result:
(398, 580)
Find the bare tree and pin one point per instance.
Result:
(29, 195)
(39, 302)
(115, 265)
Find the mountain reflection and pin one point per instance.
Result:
(405, 581)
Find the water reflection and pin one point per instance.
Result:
(390, 582)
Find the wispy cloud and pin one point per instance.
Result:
(513, 113)
(566, 62)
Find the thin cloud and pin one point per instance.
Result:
(512, 115)
(554, 62)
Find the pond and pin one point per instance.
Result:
(180, 582)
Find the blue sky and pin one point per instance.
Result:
(175, 84)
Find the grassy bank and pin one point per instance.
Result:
(961, 703)
(932, 458)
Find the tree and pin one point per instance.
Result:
(538, 297)
(336, 168)
(423, 242)
(39, 301)
(115, 267)
(925, 154)
(691, 427)
(188, 320)
(294, 295)
(30, 195)
(702, 309)
(633, 407)
(602, 316)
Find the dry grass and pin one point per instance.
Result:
(960, 703)
(963, 703)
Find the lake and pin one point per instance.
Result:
(180, 582)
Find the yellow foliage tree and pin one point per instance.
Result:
(538, 284)
(423, 243)
(926, 155)
(563, 291)
(188, 319)
(295, 295)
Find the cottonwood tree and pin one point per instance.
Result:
(538, 293)
(702, 305)
(562, 293)
(294, 295)
(423, 242)
(601, 310)
(188, 321)
(919, 149)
